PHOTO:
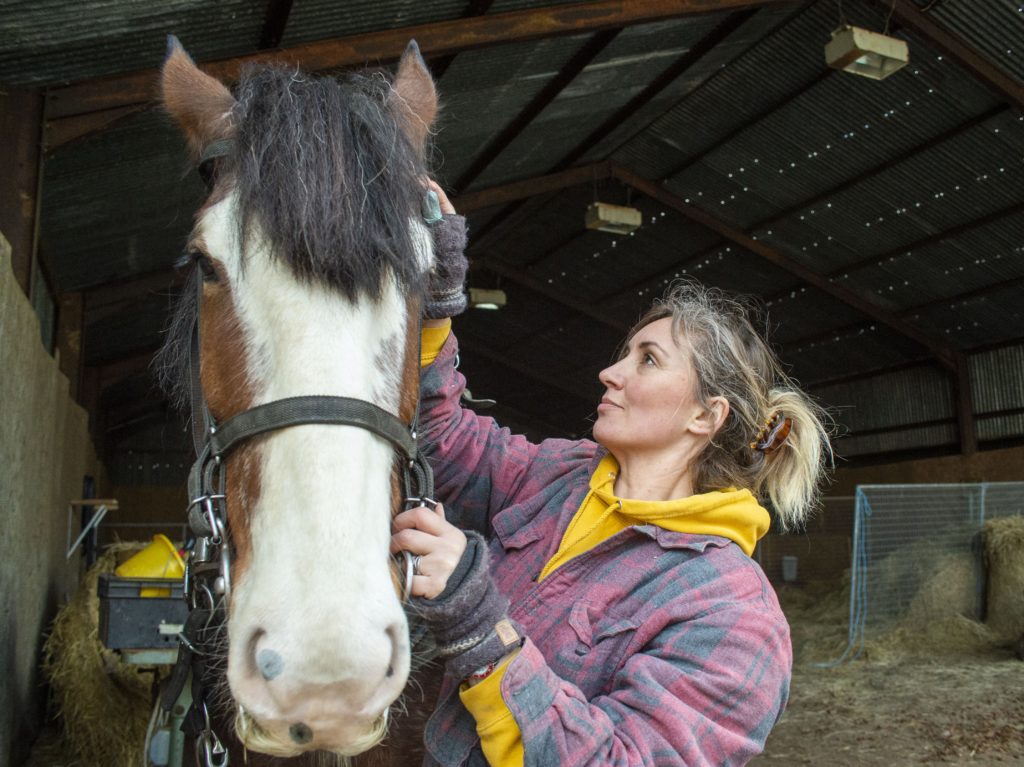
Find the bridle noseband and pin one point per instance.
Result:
(208, 570)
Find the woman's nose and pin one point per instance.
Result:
(610, 376)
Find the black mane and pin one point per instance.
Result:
(323, 167)
(324, 173)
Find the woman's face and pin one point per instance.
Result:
(650, 399)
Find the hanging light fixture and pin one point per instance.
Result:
(484, 298)
(865, 53)
(617, 219)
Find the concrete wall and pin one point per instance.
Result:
(45, 452)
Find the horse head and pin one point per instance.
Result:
(310, 262)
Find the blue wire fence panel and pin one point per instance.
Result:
(917, 554)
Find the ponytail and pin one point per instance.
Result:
(732, 360)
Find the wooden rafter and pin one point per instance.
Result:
(931, 239)
(437, 38)
(669, 75)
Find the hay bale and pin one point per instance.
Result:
(1004, 555)
(950, 590)
(950, 635)
(103, 703)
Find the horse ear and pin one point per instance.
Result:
(415, 95)
(200, 104)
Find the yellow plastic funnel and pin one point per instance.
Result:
(160, 559)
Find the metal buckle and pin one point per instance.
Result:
(210, 752)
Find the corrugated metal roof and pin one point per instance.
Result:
(311, 20)
(996, 29)
(46, 42)
(121, 202)
(829, 169)
(493, 85)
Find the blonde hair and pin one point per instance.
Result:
(732, 360)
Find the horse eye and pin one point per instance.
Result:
(206, 268)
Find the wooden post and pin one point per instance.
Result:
(964, 404)
(21, 124)
(70, 311)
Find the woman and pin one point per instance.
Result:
(602, 607)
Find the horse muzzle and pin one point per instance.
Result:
(317, 689)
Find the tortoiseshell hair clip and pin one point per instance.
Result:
(774, 433)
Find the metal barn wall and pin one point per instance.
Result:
(45, 451)
(1005, 465)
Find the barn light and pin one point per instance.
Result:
(865, 53)
(482, 298)
(617, 219)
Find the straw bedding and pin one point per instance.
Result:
(102, 702)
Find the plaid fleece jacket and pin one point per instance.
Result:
(654, 648)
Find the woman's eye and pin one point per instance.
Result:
(649, 359)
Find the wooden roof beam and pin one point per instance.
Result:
(438, 38)
(670, 74)
(530, 187)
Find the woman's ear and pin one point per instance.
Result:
(711, 419)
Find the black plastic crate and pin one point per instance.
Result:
(130, 621)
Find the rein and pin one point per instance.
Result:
(207, 584)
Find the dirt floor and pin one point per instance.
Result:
(909, 699)
(930, 698)
(865, 714)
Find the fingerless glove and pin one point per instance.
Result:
(469, 619)
(446, 296)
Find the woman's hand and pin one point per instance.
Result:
(425, 533)
(446, 206)
(445, 296)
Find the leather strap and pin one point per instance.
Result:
(319, 409)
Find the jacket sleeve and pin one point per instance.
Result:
(704, 693)
(480, 467)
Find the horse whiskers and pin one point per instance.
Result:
(255, 737)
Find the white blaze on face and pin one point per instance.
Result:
(317, 634)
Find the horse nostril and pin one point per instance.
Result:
(270, 664)
(398, 634)
(300, 733)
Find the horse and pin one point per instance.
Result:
(296, 341)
